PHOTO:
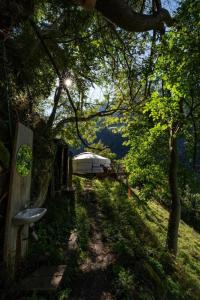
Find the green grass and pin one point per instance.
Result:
(143, 269)
(188, 256)
(139, 234)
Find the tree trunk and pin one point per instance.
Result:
(194, 156)
(125, 17)
(175, 213)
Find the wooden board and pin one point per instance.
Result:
(19, 198)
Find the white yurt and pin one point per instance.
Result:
(90, 163)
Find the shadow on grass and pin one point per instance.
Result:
(116, 263)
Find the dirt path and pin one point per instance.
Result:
(94, 281)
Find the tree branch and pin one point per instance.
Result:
(48, 53)
(99, 114)
(55, 106)
(118, 12)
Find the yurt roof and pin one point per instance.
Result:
(90, 155)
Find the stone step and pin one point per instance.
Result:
(47, 278)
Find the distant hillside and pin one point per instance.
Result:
(110, 139)
(114, 141)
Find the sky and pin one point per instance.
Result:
(96, 92)
(171, 5)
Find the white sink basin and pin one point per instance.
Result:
(29, 215)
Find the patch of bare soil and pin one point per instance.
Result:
(94, 281)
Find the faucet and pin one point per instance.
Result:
(25, 205)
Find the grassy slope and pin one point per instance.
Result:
(140, 234)
(156, 218)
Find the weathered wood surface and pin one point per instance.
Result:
(65, 166)
(47, 278)
(70, 173)
(19, 198)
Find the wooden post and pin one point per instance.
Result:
(52, 187)
(70, 170)
(62, 167)
(65, 166)
(59, 161)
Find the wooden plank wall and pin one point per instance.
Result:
(19, 198)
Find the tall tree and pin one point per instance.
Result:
(172, 104)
